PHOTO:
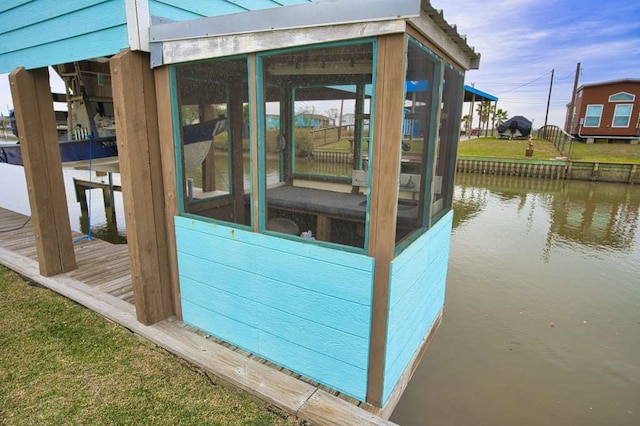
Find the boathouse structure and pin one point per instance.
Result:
(335, 274)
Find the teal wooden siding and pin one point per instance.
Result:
(416, 296)
(39, 33)
(182, 10)
(302, 306)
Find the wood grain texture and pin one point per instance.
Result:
(142, 184)
(168, 161)
(325, 409)
(389, 92)
(43, 169)
(256, 194)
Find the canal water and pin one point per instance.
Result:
(542, 313)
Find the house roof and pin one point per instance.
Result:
(611, 82)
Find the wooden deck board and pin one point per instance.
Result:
(103, 284)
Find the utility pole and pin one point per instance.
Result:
(573, 99)
(546, 116)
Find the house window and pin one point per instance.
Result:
(622, 115)
(593, 115)
(622, 97)
(212, 136)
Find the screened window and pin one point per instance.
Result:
(622, 115)
(447, 143)
(422, 93)
(593, 115)
(313, 141)
(213, 139)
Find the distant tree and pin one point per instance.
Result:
(484, 110)
(499, 117)
(466, 120)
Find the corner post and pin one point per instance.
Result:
(40, 151)
(384, 194)
(134, 97)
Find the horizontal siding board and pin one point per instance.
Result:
(302, 306)
(179, 10)
(308, 334)
(314, 274)
(416, 296)
(67, 27)
(37, 12)
(6, 5)
(329, 255)
(330, 371)
(329, 311)
(103, 43)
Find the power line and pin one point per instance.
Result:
(527, 83)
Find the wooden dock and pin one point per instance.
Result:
(102, 283)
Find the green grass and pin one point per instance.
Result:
(606, 152)
(63, 364)
(489, 147)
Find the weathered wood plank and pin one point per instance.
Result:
(142, 184)
(43, 169)
(167, 153)
(384, 193)
(326, 409)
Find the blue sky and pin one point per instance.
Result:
(521, 41)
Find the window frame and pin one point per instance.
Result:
(615, 115)
(629, 98)
(586, 115)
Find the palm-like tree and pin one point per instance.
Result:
(484, 110)
(499, 117)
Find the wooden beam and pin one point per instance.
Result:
(253, 142)
(384, 195)
(236, 115)
(40, 150)
(168, 154)
(136, 115)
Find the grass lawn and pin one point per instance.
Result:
(63, 364)
(490, 147)
(606, 152)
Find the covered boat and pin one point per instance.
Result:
(514, 128)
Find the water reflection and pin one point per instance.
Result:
(541, 321)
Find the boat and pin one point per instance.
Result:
(87, 130)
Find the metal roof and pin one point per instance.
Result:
(479, 95)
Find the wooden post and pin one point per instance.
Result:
(36, 123)
(167, 150)
(253, 141)
(237, 183)
(384, 195)
(135, 109)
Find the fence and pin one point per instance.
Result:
(560, 139)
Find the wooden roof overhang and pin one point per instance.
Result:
(305, 24)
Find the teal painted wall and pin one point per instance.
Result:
(416, 296)
(302, 306)
(39, 33)
(181, 10)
